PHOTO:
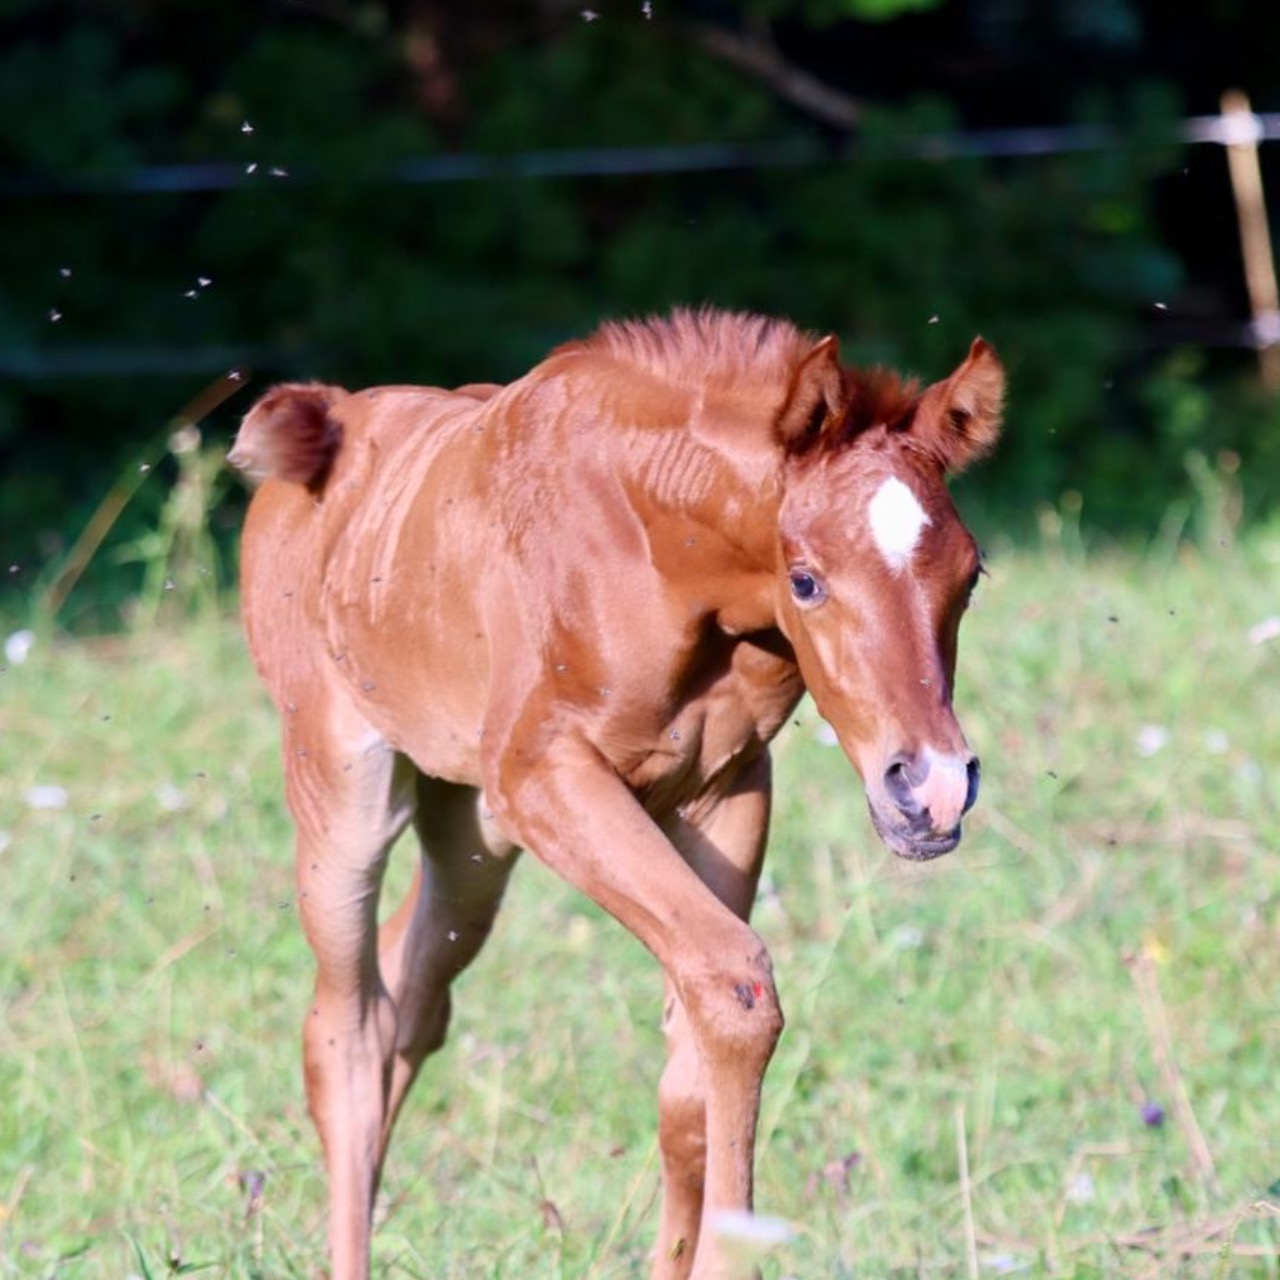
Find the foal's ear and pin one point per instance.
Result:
(958, 419)
(816, 399)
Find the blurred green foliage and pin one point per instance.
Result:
(823, 12)
(319, 265)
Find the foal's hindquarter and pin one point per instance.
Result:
(518, 625)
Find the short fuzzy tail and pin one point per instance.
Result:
(290, 434)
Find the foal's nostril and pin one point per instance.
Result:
(974, 770)
(900, 786)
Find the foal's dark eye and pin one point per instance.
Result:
(806, 588)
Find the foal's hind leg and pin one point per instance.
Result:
(726, 848)
(351, 796)
(442, 923)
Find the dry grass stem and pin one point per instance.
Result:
(1142, 967)
(966, 1196)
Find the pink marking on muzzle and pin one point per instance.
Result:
(933, 790)
(948, 788)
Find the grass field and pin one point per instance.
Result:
(1053, 1054)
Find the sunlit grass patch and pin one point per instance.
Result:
(1086, 990)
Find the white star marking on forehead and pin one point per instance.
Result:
(897, 520)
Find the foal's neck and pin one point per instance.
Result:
(708, 499)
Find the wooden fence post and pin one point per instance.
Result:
(1240, 133)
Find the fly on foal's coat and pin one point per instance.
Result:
(568, 615)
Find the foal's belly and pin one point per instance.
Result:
(422, 704)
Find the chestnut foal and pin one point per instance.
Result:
(568, 615)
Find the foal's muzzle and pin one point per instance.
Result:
(927, 794)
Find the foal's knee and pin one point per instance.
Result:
(734, 1008)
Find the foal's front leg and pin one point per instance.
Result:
(576, 814)
(725, 846)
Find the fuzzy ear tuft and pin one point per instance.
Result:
(816, 399)
(958, 420)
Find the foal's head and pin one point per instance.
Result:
(874, 572)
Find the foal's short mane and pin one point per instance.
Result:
(694, 348)
(708, 347)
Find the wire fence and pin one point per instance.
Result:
(711, 157)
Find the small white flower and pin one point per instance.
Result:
(18, 646)
(579, 933)
(246, 127)
(906, 937)
(752, 1228)
(1002, 1263)
(1081, 1190)
(1216, 742)
(1267, 629)
(170, 798)
(49, 796)
(1152, 738)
